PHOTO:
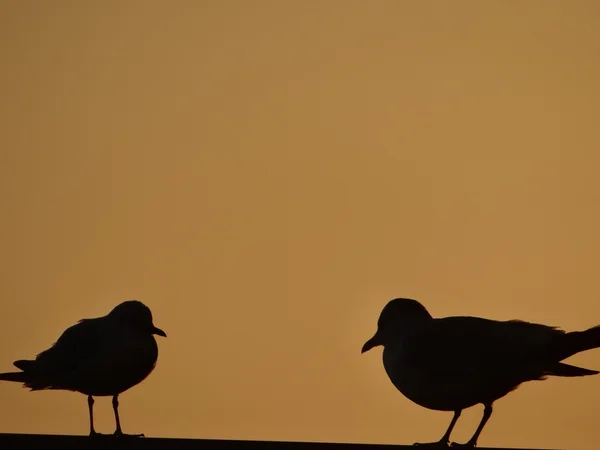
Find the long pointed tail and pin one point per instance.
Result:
(567, 370)
(569, 344)
(19, 377)
(26, 376)
(579, 341)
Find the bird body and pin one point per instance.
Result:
(453, 363)
(102, 356)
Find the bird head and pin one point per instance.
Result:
(135, 314)
(398, 315)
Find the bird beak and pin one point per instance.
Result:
(158, 331)
(373, 342)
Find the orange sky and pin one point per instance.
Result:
(266, 175)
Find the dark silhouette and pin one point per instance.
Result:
(103, 356)
(453, 363)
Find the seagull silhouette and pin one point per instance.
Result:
(453, 363)
(103, 356)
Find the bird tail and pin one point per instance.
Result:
(26, 365)
(19, 377)
(579, 341)
(567, 370)
(25, 376)
(570, 344)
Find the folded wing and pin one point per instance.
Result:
(475, 346)
(54, 367)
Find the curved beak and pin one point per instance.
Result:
(373, 342)
(158, 331)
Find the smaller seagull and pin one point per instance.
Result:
(103, 356)
(453, 363)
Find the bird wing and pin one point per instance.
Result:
(76, 346)
(477, 345)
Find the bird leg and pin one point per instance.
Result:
(90, 402)
(118, 431)
(444, 441)
(487, 412)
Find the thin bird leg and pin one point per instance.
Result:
(487, 412)
(90, 402)
(443, 442)
(115, 404)
(118, 431)
(446, 438)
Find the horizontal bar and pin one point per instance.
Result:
(11, 441)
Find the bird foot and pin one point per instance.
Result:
(99, 435)
(115, 434)
(465, 445)
(120, 434)
(432, 445)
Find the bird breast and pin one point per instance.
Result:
(442, 390)
(125, 359)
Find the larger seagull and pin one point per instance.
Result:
(103, 356)
(453, 363)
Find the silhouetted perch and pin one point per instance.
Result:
(47, 441)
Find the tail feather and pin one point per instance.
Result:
(579, 341)
(19, 377)
(25, 365)
(26, 376)
(567, 370)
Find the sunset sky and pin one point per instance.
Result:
(266, 175)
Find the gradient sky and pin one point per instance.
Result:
(266, 175)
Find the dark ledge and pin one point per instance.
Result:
(55, 441)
